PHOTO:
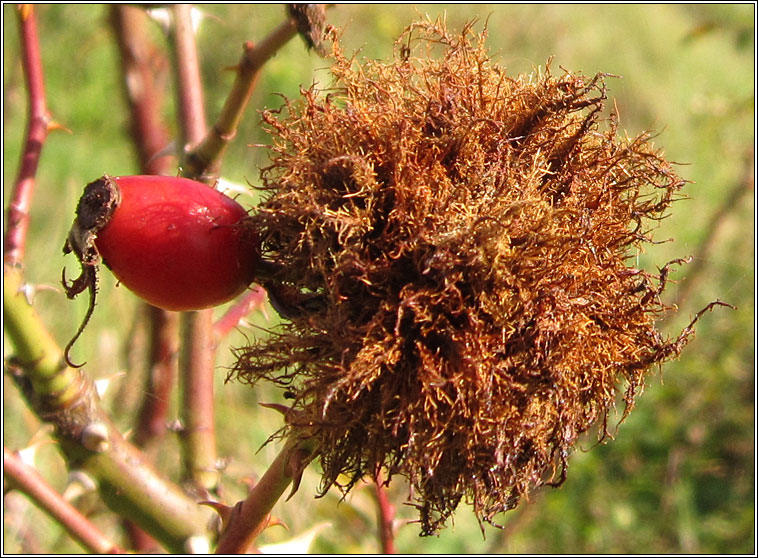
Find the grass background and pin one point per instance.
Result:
(678, 478)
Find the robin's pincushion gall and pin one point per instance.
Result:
(461, 240)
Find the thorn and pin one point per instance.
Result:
(169, 150)
(228, 187)
(295, 485)
(162, 17)
(274, 521)
(298, 461)
(197, 17)
(175, 425)
(79, 484)
(283, 409)
(28, 290)
(55, 126)
(222, 463)
(165, 18)
(224, 511)
(243, 323)
(396, 524)
(95, 437)
(28, 454)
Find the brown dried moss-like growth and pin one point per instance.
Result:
(455, 246)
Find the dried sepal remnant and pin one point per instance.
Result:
(460, 240)
(310, 20)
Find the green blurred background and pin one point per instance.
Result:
(678, 478)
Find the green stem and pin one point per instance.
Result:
(66, 398)
(35, 347)
(131, 487)
(196, 363)
(197, 353)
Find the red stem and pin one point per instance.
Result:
(191, 107)
(140, 67)
(251, 300)
(38, 126)
(386, 515)
(251, 516)
(31, 483)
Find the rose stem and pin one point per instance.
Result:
(30, 482)
(205, 155)
(251, 516)
(64, 396)
(38, 126)
(385, 515)
(196, 357)
(248, 302)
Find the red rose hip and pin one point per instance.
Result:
(177, 243)
(174, 242)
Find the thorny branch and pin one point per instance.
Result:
(201, 160)
(38, 126)
(61, 395)
(252, 299)
(250, 517)
(31, 483)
